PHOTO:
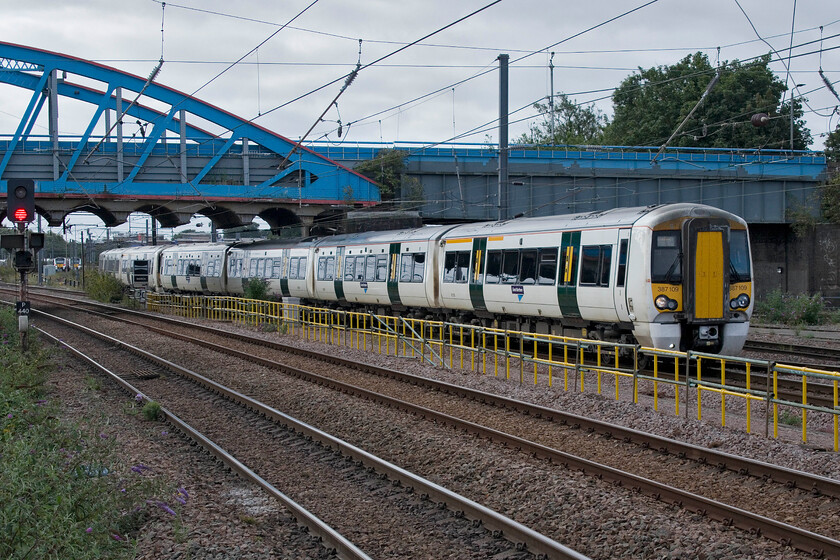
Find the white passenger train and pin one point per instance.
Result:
(670, 276)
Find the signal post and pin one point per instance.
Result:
(20, 210)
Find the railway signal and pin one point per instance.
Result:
(20, 201)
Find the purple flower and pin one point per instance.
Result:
(138, 397)
(103, 436)
(9, 415)
(116, 537)
(183, 492)
(89, 530)
(166, 508)
(139, 468)
(164, 433)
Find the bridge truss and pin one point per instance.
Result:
(174, 168)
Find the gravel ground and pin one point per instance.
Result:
(223, 522)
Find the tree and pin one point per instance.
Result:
(651, 104)
(573, 124)
(832, 146)
(830, 200)
(386, 169)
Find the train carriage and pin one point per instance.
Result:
(393, 268)
(194, 268)
(670, 276)
(281, 264)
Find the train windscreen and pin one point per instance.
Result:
(666, 258)
(739, 257)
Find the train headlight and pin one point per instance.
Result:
(740, 302)
(663, 302)
(672, 304)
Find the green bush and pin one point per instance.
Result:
(65, 491)
(103, 287)
(256, 288)
(793, 309)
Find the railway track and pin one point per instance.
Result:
(579, 428)
(798, 351)
(399, 506)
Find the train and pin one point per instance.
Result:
(670, 276)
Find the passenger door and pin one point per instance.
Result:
(622, 262)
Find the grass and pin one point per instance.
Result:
(66, 492)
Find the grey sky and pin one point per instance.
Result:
(323, 45)
(201, 38)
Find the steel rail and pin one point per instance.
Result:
(524, 537)
(331, 539)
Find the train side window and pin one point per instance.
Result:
(330, 274)
(590, 258)
(322, 268)
(548, 267)
(349, 268)
(370, 269)
(277, 268)
(450, 260)
(252, 268)
(381, 268)
(260, 268)
(606, 264)
(528, 267)
(510, 267)
(302, 268)
(622, 264)
(462, 267)
(406, 267)
(193, 269)
(494, 267)
(595, 264)
(419, 267)
(360, 269)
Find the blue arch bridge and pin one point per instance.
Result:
(176, 167)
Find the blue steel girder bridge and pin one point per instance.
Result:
(461, 181)
(174, 168)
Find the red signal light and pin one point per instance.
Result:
(21, 215)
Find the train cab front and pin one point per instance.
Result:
(701, 285)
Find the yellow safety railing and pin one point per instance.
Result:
(500, 352)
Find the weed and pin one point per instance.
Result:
(152, 411)
(93, 383)
(790, 418)
(65, 491)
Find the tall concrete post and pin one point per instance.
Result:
(502, 202)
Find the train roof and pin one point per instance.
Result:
(424, 233)
(615, 217)
(269, 244)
